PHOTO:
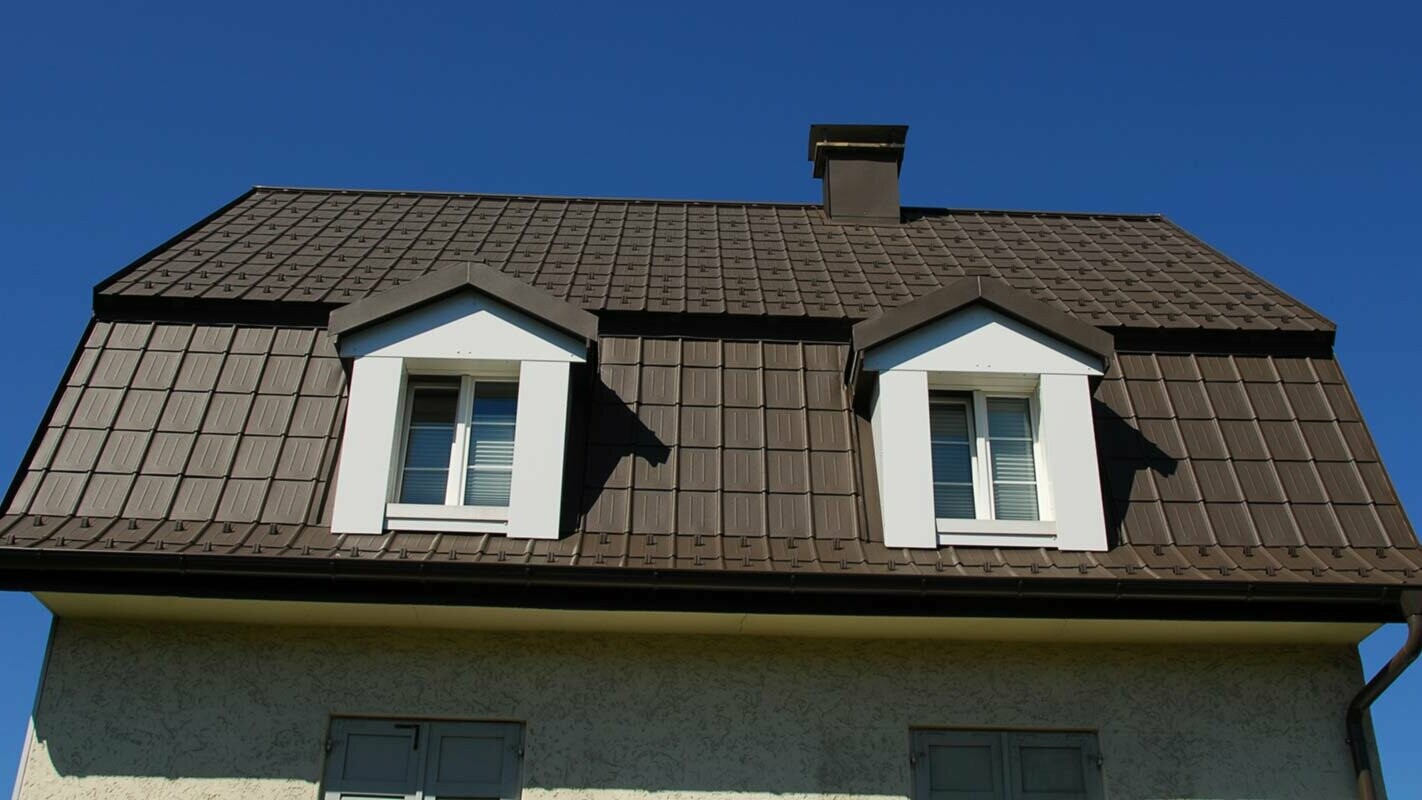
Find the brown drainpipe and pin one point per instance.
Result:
(1357, 739)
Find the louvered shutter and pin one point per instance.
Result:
(1053, 766)
(958, 765)
(472, 761)
(372, 760)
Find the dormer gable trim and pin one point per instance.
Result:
(479, 277)
(964, 292)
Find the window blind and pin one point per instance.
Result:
(952, 446)
(491, 444)
(433, 407)
(1013, 462)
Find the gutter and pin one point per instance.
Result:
(1411, 603)
(461, 583)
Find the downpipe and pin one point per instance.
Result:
(1363, 768)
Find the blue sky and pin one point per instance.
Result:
(1285, 135)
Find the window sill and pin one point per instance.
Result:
(997, 533)
(446, 519)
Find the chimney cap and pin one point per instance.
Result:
(886, 139)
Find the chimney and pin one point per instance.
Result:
(859, 167)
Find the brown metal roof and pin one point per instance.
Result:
(333, 247)
(707, 456)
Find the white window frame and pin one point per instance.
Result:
(972, 531)
(459, 449)
(452, 515)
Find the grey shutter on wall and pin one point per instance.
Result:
(372, 759)
(958, 765)
(472, 760)
(1053, 766)
(1006, 765)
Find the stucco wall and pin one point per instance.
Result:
(149, 710)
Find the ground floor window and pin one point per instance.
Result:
(422, 759)
(1005, 765)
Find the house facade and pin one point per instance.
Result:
(354, 494)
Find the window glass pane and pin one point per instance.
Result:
(1008, 418)
(427, 446)
(434, 403)
(424, 486)
(952, 461)
(953, 501)
(491, 445)
(487, 487)
(427, 442)
(1015, 501)
(495, 402)
(948, 421)
(1013, 460)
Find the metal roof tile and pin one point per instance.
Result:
(167, 453)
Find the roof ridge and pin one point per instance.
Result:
(701, 202)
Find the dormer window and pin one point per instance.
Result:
(459, 442)
(459, 403)
(984, 457)
(980, 404)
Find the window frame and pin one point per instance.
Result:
(953, 530)
(459, 467)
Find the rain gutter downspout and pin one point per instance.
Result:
(1411, 602)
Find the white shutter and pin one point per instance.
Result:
(373, 759)
(958, 765)
(1053, 766)
(469, 760)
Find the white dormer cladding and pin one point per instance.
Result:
(976, 352)
(465, 334)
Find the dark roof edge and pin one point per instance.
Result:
(183, 234)
(1332, 326)
(702, 202)
(475, 276)
(964, 292)
(528, 585)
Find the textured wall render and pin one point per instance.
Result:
(155, 710)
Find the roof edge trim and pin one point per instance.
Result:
(965, 292)
(475, 276)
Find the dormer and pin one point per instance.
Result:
(980, 402)
(459, 393)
